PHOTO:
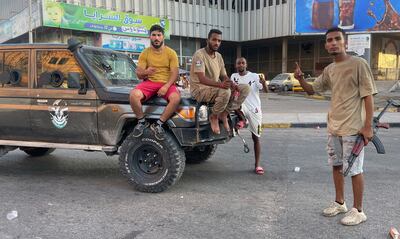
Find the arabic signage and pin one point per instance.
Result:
(359, 45)
(124, 43)
(75, 17)
(316, 16)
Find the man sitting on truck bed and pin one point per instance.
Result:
(158, 68)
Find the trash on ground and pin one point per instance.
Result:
(12, 215)
(296, 169)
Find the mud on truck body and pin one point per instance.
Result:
(77, 97)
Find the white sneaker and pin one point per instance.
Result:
(334, 209)
(353, 217)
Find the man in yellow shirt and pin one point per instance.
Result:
(158, 68)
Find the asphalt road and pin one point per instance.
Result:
(75, 194)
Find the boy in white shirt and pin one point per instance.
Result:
(251, 107)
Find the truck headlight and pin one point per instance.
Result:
(187, 112)
(203, 113)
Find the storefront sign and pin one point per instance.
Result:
(316, 16)
(359, 45)
(124, 43)
(76, 17)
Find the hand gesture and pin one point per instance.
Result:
(163, 90)
(298, 74)
(262, 80)
(367, 134)
(150, 71)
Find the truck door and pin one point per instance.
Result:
(59, 113)
(15, 101)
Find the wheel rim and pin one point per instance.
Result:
(147, 160)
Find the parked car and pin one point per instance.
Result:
(283, 82)
(309, 80)
(55, 96)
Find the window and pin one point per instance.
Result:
(284, 1)
(252, 5)
(277, 2)
(258, 3)
(14, 69)
(57, 70)
(270, 2)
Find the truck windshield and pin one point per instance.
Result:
(113, 68)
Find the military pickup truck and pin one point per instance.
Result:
(71, 96)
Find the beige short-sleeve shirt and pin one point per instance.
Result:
(213, 68)
(350, 81)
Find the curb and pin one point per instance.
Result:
(308, 125)
(317, 97)
(389, 109)
(293, 125)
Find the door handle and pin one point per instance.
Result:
(42, 101)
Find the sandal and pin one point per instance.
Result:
(259, 170)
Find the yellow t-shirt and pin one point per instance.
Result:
(163, 61)
(350, 81)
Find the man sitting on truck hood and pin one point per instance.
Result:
(158, 68)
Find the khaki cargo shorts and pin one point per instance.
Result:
(339, 150)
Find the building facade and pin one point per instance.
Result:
(271, 34)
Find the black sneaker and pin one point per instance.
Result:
(139, 128)
(158, 130)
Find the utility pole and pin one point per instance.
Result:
(30, 22)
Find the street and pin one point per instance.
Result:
(76, 194)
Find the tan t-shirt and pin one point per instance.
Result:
(350, 81)
(213, 68)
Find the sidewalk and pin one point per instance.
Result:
(302, 111)
(312, 120)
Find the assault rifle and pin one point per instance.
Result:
(359, 145)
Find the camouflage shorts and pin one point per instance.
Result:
(339, 150)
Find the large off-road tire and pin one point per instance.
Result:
(36, 152)
(151, 165)
(200, 154)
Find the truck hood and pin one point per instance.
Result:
(120, 94)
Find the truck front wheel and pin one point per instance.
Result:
(151, 165)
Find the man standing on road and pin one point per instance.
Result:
(252, 105)
(158, 68)
(210, 83)
(351, 81)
